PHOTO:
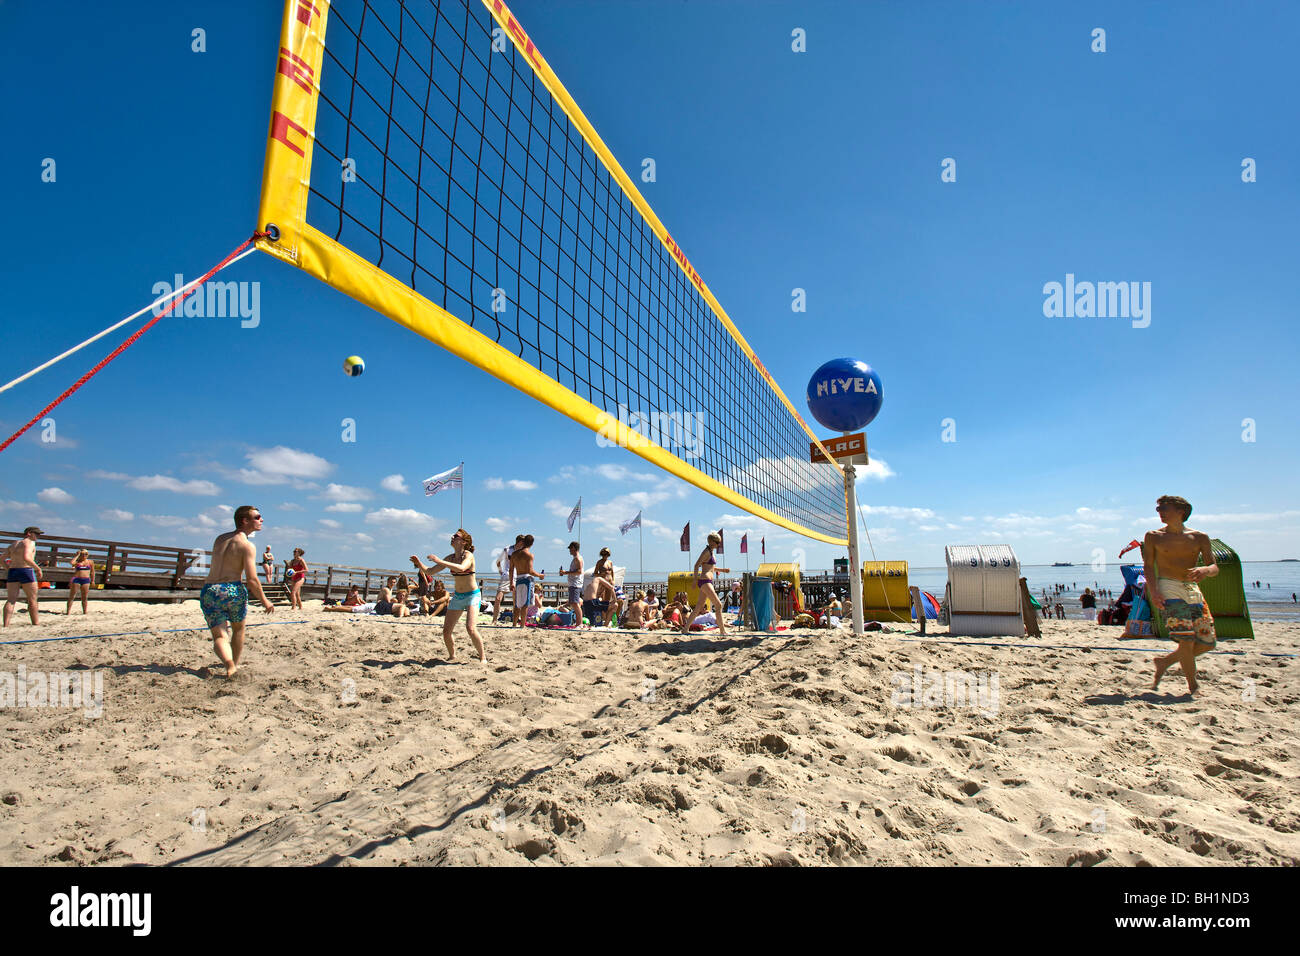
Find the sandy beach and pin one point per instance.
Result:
(349, 740)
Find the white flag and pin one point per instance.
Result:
(575, 513)
(627, 526)
(448, 479)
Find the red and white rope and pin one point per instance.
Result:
(175, 299)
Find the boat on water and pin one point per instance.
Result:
(1062, 564)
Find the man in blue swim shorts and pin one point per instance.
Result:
(23, 574)
(224, 598)
(521, 563)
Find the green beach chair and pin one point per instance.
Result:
(1225, 593)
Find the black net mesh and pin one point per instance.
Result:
(466, 177)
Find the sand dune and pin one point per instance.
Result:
(349, 740)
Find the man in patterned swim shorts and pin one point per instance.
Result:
(1176, 550)
(224, 598)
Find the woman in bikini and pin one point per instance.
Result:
(466, 599)
(83, 576)
(268, 564)
(297, 574)
(705, 568)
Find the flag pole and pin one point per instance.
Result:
(640, 550)
(462, 495)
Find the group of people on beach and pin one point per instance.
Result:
(25, 576)
(1175, 558)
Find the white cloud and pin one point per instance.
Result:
(55, 496)
(514, 484)
(24, 506)
(116, 514)
(108, 475)
(164, 521)
(288, 463)
(501, 524)
(168, 483)
(1240, 517)
(364, 539)
(395, 483)
(345, 507)
(895, 511)
(336, 492)
(621, 473)
(406, 519)
(290, 506)
(330, 523)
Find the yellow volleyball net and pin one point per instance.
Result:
(424, 159)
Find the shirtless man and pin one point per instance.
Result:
(1176, 551)
(23, 575)
(224, 598)
(575, 583)
(521, 566)
(507, 583)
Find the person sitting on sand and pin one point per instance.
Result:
(438, 599)
(224, 598)
(534, 609)
(24, 575)
(634, 619)
(83, 579)
(353, 598)
(466, 599)
(399, 606)
(1175, 551)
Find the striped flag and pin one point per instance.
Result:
(448, 479)
(627, 526)
(575, 513)
(686, 537)
(1131, 545)
(744, 544)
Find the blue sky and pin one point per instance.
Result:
(776, 170)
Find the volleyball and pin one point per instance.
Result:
(354, 365)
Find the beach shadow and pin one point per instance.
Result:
(1148, 697)
(697, 646)
(408, 662)
(163, 670)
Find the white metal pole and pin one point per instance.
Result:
(855, 570)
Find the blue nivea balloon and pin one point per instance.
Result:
(844, 394)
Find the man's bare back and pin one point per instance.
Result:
(230, 554)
